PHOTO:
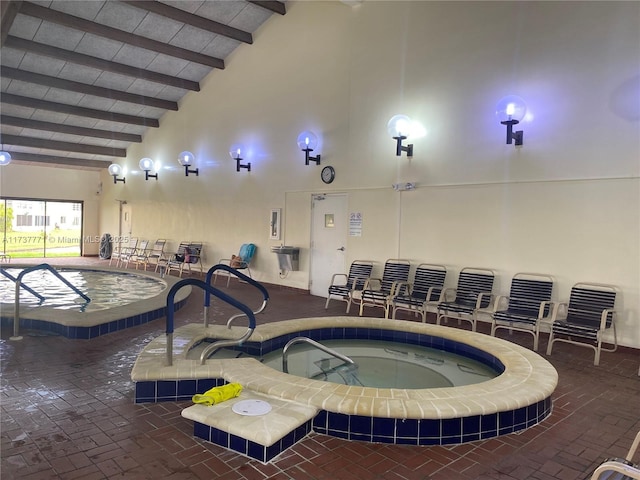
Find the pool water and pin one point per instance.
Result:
(106, 289)
(378, 364)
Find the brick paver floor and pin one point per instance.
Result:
(68, 413)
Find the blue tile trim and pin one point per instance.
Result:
(86, 333)
(173, 390)
(247, 447)
(430, 431)
(373, 429)
(357, 427)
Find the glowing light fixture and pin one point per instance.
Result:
(186, 159)
(5, 158)
(399, 127)
(115, 170)
(146, 164)
(510, 110)
(308, 142)
(236, 152)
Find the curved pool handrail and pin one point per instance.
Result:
(41, 266)
(28, 289)
(242, 276)
(210, 290)
(215, 346)
(319, 346)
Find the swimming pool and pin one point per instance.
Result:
(133, 307)
(376, 364)
(105, 289)
(518, 398)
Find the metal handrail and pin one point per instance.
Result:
(28, 289)
(319, 346)
(42, 266)
(211, 291)
(242, 276)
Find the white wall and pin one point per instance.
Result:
(39, 182)
(566, 203)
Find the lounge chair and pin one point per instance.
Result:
(188, 253)
(377, 291)
(423, 294)
(137, 255)
(242, 261)
(587, 316)
(473, 293)
(619, 468)
(123, 251)
(526, 306)
(347, 286)
(154, 255)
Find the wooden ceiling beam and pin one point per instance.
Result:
(273, 6)
(190, 19)
(77, 23)
(62, 84)
(65, 146)
(55, 160)
(100, 64)
(78, 111)
(68, 129)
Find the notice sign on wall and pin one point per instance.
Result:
(355, 224)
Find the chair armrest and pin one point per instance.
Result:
(339, 275)
(396, 288)
(544, 305)
(603, 317)
(556, 311)
(449, 294)
(501, 301)
(356, 281)
(430, 292)
(370, 283)
(633, 448)
(481, 296)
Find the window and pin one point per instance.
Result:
(24, 220)
(42, 220)
(27, 228)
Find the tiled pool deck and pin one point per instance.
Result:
(518, 398)
(68, 412)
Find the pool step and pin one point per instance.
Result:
(261, 437)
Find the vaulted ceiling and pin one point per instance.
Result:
(83, 80)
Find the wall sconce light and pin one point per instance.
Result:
(186, 159)
(5, 158)
(307, 141)
(146, 164)
(114, 171)
(235, 153)
(399, 127)
(510, 111)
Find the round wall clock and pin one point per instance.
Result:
(328, 174)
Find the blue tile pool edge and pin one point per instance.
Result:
(362, 428)
(418, 432)
(86, 333)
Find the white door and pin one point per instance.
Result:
(125, 220)
(329, 227)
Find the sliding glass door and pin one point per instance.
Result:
(40, 228)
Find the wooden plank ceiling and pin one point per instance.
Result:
(82, 80)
